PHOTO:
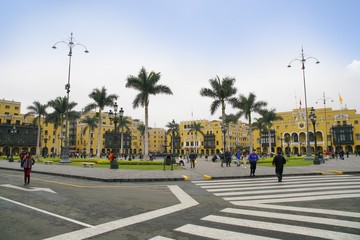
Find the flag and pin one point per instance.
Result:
(340, 99)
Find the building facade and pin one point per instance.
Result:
(334, 130)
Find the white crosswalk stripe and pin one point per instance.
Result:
(259, 198)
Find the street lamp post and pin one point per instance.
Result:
(324, 101)
(312, 117)
(65, 150)
(172, 137)
(115, 119)
(13, 131)
(303, 60)
(223, 129)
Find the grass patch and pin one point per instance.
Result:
(293, 161)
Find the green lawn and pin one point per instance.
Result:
(293, 161)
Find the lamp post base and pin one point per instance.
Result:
(316, 160)
(65, 156)
(114, 164)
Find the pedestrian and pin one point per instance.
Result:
(279, 162)
(244, 157)
(192, 158)
(238, 156)
(253, 157)
(27, 163)
(206, 157)
(111, 156)
(228, 158)
(214, 158)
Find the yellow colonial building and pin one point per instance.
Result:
(334, 130)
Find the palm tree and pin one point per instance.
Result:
(141, 129)
(146, 84)
(268, 116)
(230, 118)
(259, 124)
(91, 123)
(101, 100)
(246, 106)
(221, 91)
(174, 130)
(39, 110)
(197, 128)
(62, 109)
(124, 122)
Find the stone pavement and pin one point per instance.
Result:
(204, 170)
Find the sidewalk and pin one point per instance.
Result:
(204, 170)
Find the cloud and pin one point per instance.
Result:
(354, 67)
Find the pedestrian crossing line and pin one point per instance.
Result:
(220, 234)
(307, 189)
(282, 185)
(293, 217)
(291, 195)
(161, 238)
(307, 231)
(302, 209)
(266, 179)
(298, 199)
(288, 183)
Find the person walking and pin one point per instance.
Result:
(27, 163)
(238, 156)
(279, 162)
(244, 153)
(228, 158)
(253, 157)
(192, 158)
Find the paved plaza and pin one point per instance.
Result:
(204, 170)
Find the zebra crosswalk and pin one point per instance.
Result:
(265, 209)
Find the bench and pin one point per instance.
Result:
(48, 162)
(88, 164)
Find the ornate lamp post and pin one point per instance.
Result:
(65, 150)
(115, 119)
(303, 60)
(312, 117)
(223, 129)
(172, 136)
(13, 131)
(324, 101)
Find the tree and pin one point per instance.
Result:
(268, 116)
(173, 128)
(62, 110)
(39, 110)
(141, 129)
(91, 123)
(246, 106)
(124, 122)
(222, 92)
(146, 84)
(197, 128)
(259, 124)
(101, 100)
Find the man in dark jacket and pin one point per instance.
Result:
(279, 162)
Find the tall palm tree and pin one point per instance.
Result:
(39, 110)
(268, 116)
(124, 122)
(173, 128)
(146, 84)
(91, 123)
(62, 109)
(101, 100)
(197, 128)
(221, 91)
(259, 124)
(230, 118)
(246, 106)
(141, 129)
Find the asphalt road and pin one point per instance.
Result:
(301, 207)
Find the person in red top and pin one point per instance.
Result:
(111, 156)
(27, 163)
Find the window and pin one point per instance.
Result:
(7, 106)
(357, 136)
(16, 108)
(356, 122)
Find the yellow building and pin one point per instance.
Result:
(335, 130)
(209, 139)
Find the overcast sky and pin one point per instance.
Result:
(189, 42)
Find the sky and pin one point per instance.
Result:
(188, 42)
